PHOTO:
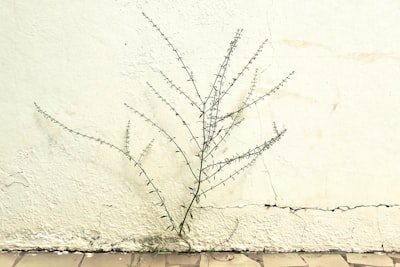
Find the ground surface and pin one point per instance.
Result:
(216, 259)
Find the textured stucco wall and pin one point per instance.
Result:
(330, 184)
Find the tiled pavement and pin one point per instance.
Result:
(216, 259)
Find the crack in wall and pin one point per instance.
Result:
(262, 158)
(11, 184)
(379, 231)
(19, 177)
(342, 208)
(295, 209)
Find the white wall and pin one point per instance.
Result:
(333, 179)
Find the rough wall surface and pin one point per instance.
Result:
(330, 184)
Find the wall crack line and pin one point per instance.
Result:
(295, 209)
(338, 208)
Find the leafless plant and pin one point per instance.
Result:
(215, 125)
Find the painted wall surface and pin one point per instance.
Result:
(332, 182)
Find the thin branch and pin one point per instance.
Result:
(145, 151)
(270, 92)
(166, 102)
(198, 180)
(231, 176)
(254, 152)
(216, 91)
(223, 67)
(116, 148)
(169, 137)
(246, 67)
(235, 121)
(179, 57)
(179, 90)
(243, 168)
(127, 137)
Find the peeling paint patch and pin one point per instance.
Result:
(303, 44)
(370, 57)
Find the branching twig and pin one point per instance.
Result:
(179, 57)
(179, 90)
(270, 92)
(227, 130)
(165, 101)
(169, 137)
(216, 89)
(231, 176)
(251, 153)
(119, 150)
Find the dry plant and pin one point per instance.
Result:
(209, 132)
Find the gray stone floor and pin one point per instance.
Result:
(63, 259)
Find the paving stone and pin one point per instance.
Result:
(149, 260)
(395, 256)
(106, 260)
(378, 260)
(258, 257)
(226, 260)
(50, 260)
(283, 259)
(187, 259)
(8, 259)
(198, 260)
(324, 260)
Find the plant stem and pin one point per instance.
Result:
(196, 194)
